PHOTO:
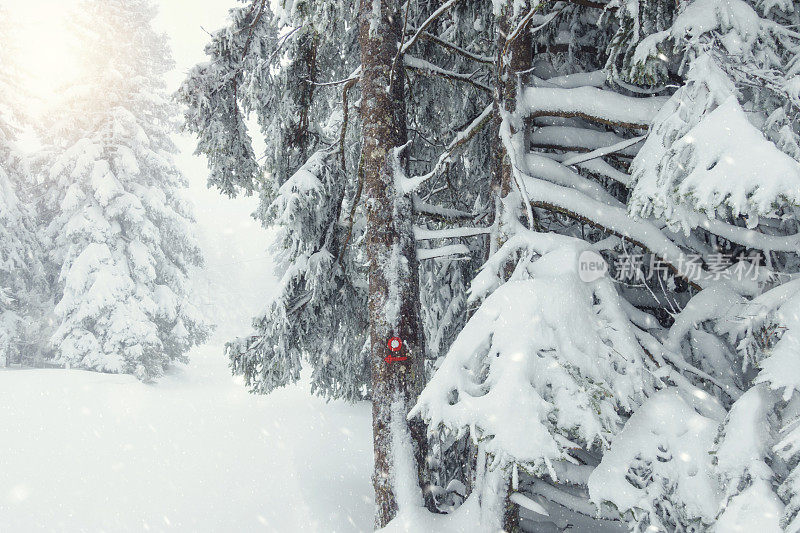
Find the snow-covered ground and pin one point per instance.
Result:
(82, 451)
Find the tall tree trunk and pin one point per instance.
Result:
(391, 251)
(514, 59)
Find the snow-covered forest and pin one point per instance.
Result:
(410, 266)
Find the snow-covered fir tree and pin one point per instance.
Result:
(21, 276)
(652, 138)
(118, 231)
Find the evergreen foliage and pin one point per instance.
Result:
(666, 398)
(119, 231)
(22, 284)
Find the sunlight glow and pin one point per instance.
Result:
(43, 49)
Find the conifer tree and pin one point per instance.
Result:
(648, 138)
(273, 64)
(119, 232)
(21, 276)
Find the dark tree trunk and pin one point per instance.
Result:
(391, 251)
(514, 59)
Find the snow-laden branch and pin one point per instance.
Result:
(598, 167)
(522, 26)
(461, 138)
(440, 213)
(354, 76)
(423, 66)
(577, 139)
(444, 7)
(332, 83)
(457, 49)
(444, 251)
(425, 234)
(591, 3)
(570, 501)
(569, 200)
(526, 503)
(595, 78)
(600, 152)
(542, 167)
(615, 220)
(590, 103)
(751, 238)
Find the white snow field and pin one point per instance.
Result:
(82, 451)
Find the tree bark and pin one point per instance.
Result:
(514, 58)
(391, 252)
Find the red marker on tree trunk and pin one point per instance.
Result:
(395, 344)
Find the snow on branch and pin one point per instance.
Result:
(723, 161)
(529, 398)
(424, 234)
(746, 237)
(426, 67)
(600, 152)
(655, 447)
(590, 103)
(577, 139)
(609, 217)
(411, 184)
(457, 49)
(595, 78)
(615, 220)
(542, 167)
(444, 7)
(598, 167)
(444, 251)
(440, 213)
(570, 501)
